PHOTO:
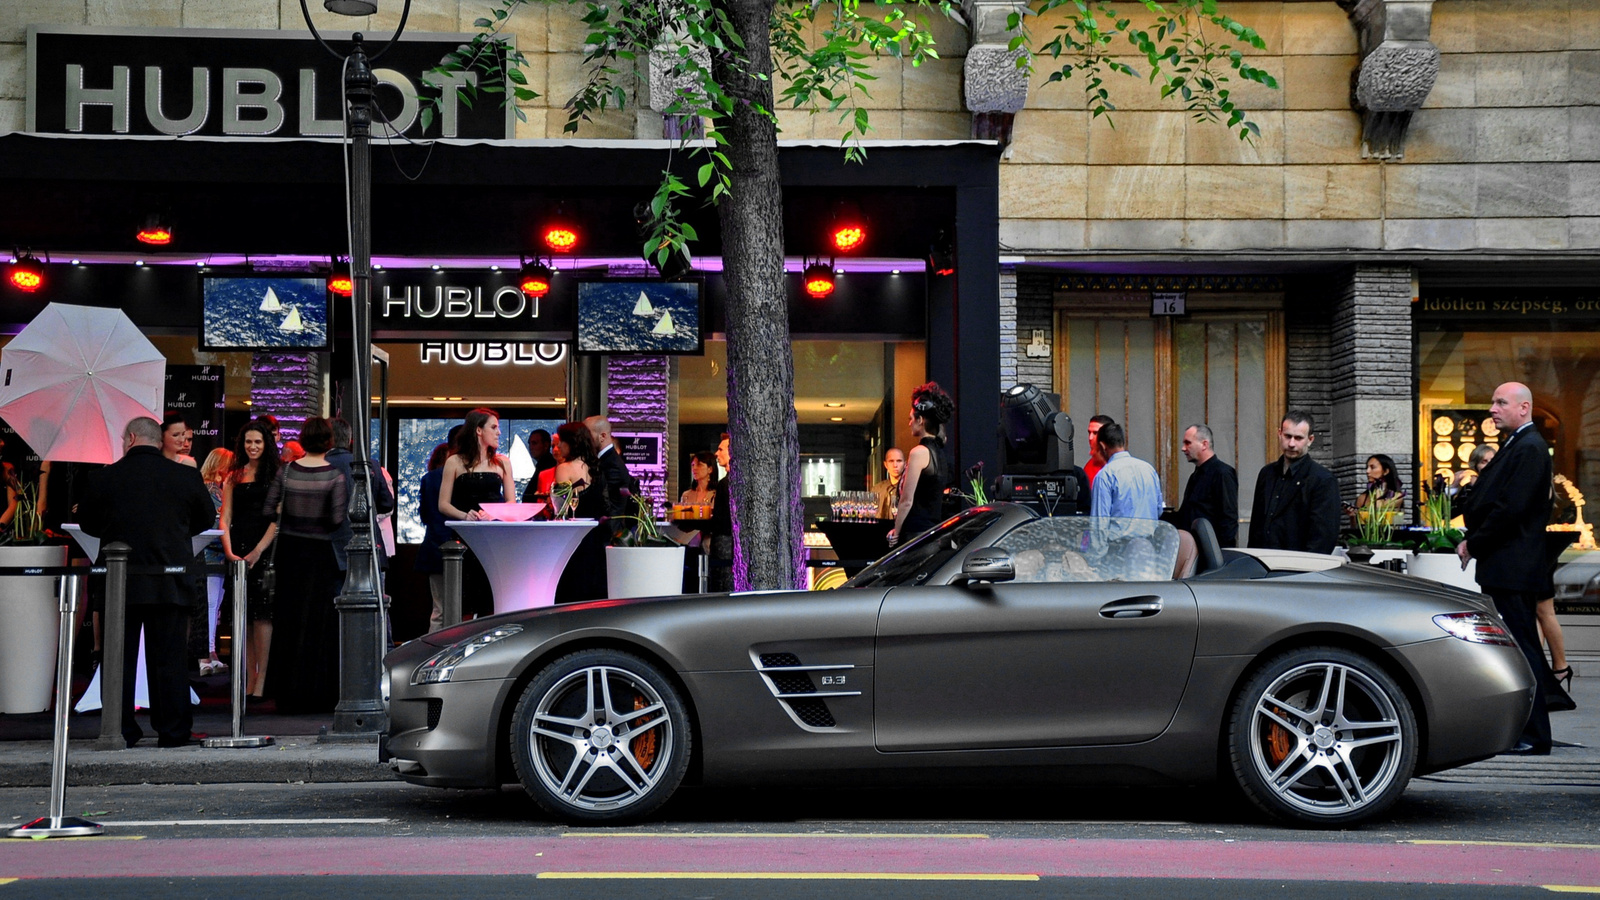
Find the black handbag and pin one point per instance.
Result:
(268, 577)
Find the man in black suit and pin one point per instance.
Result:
(1213, 490)
(1505, 519)
(1296, 505)
(619, 485)
(155, 506)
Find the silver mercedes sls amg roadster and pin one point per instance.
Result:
(999, 645)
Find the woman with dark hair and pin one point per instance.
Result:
(585, 575)
(430, 559)
(1384, 494)
(247, 533)
(929, 469)
(311, 500)
(177, 438)
(703, 469)
(474, 474)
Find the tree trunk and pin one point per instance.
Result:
(764, 436)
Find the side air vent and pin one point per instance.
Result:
(813, 712)
(793, 683)
(435, 710)
(790, 682)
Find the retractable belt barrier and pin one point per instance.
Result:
(117, 570)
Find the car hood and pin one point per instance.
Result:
(465, 630)
(1374, 576)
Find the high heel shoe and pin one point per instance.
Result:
(1563, 677)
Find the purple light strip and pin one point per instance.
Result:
(701, 264)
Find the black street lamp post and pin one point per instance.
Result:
(360, 715)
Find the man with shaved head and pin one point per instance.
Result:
(1505, 519)
(618, 483)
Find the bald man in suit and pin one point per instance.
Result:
(1505, 519)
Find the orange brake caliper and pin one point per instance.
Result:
(1279, 741)
(644, 746)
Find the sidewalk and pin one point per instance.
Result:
(298, 757)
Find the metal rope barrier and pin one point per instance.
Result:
(241, 665)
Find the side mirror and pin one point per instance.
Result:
(987, 566)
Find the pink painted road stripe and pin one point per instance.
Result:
(1283, 860)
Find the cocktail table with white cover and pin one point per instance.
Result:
(524, 560)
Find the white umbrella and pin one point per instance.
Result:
(74, 378)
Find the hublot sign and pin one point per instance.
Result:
(419, 303)
(261, 84)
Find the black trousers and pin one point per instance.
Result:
(1517, 608)
(166, 629)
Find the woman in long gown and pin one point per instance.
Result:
(311, 500)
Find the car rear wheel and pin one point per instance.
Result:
(600, 736)
(1322, 736)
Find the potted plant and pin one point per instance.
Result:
(641, 561)
(1436, 558)
(1374, 529)
(28, 608)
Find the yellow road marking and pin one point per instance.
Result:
(1572, 888)
(794, 876)
(767, 834)
(6, 880)
(1548, 845)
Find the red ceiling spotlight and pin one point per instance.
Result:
(849, 238)
(561, 238)
(340, 282)
(25, 274)
(535, 279)
(818, 280)
(942, 255)
(156, 232)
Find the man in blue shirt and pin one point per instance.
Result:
(1127, 487)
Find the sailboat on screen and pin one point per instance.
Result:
(292, 321)
(522, 464)
(270, 303)
(643, 307)
(664, 324)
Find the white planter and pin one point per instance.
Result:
(31, 627)
(643, 571)
(1445, 568)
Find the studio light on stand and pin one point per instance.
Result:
(1038, 450)
(360, 714)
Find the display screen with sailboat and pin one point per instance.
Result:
(640, 316)
(255, 312)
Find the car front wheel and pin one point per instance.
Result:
(1322, 736)
(600, 736)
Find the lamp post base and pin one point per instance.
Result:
(51, 827)
(327, 736)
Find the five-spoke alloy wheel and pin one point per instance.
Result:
(600, 736)
(1322, 736)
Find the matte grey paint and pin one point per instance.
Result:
(978, 682)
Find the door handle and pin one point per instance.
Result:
(1132, 607)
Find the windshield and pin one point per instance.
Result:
(916, 561)
(1092, 548)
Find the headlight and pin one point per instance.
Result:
(439, 667)
(1475, 628)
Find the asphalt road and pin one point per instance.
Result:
(373, 840)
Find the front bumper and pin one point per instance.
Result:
(441, 735)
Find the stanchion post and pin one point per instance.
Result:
(114, 648)
(241, 662)
(57, 824)
(450, 604)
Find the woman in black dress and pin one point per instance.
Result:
(578, 468)
(311, 500)
(475, 474)
(247, 534)
(929, 469)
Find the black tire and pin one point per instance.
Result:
(593, 761)
(1322, 736)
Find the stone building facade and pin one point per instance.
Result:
(1412, 143)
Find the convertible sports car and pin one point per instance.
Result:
(999, 645)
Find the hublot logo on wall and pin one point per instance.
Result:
(457, 303)
(268, 84)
